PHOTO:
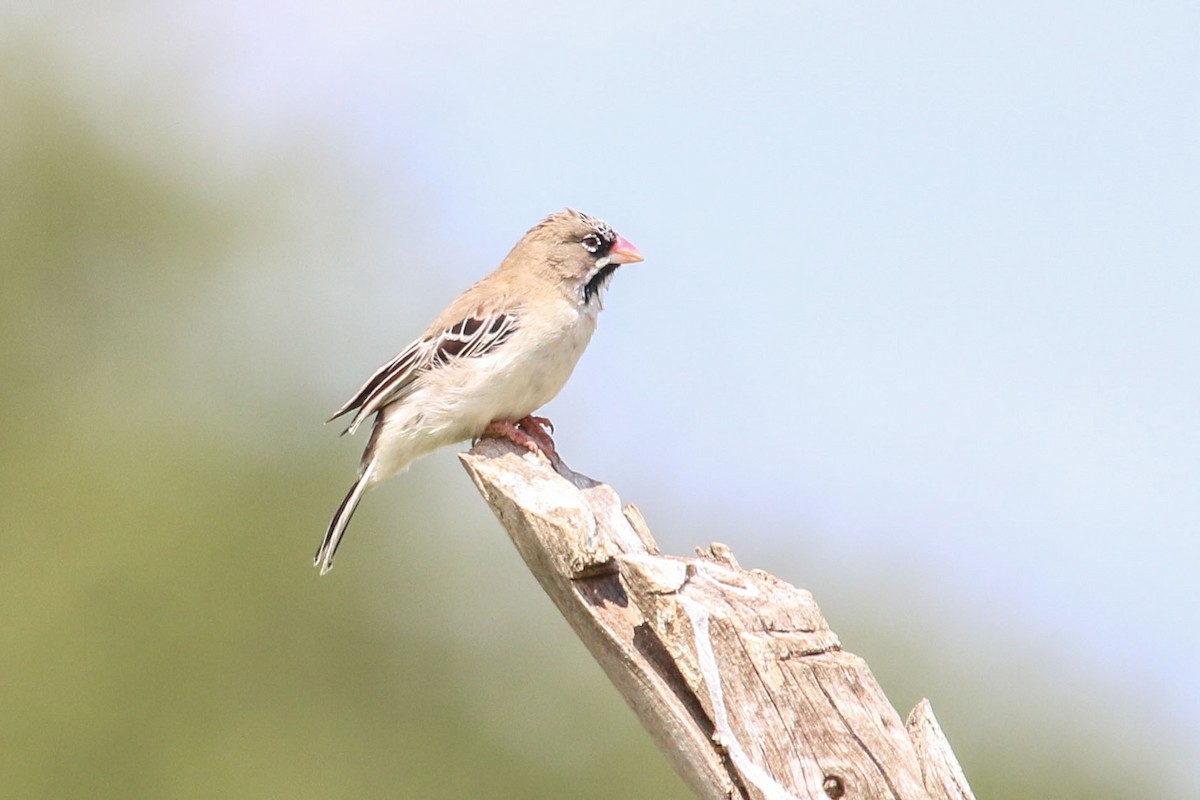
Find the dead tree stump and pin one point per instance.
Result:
(734, 673)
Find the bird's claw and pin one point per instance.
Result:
(539, 421)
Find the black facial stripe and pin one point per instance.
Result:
(592, 288)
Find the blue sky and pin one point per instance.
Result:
(921, 294)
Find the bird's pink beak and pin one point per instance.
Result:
(624, 252)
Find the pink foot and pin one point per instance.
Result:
(528, 432)
(539, 429)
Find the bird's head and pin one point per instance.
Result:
(576, 251)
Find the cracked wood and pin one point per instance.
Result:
(735, 673)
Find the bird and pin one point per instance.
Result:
(503, 349)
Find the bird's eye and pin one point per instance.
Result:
(591, 242)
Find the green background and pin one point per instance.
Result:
(169, 329)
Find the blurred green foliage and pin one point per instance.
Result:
(161, 489)
(166, 636)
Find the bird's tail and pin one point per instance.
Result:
(337, 527)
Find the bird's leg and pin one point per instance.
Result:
(528, 432)
(503, 429)
(539, 429)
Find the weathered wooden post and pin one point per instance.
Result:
(734, 672)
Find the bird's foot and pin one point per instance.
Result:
(540, 429)
(528, 432)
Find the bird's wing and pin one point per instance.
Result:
(476, 335)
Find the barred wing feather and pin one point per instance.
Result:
(470, 338)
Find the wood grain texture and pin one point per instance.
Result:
(944, 778)
(735, 673)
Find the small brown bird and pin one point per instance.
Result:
(502, 350)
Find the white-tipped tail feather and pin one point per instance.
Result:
(337, 527)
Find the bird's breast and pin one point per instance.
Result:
(543, 364)
(515, 380)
